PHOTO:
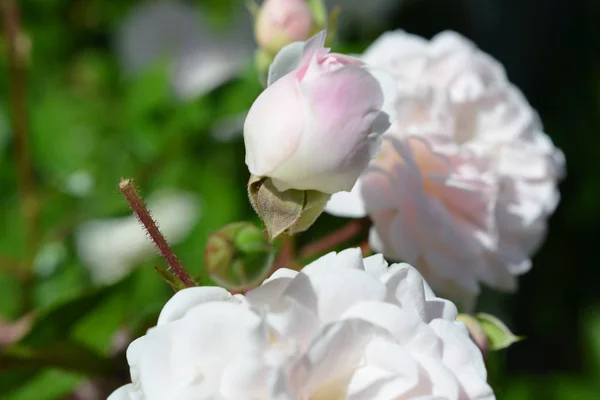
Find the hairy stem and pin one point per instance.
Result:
(336, 238)
(287, 254)
(128, 189)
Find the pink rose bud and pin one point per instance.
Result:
(281, 22)
(317, 125)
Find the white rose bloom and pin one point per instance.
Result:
(472, 203)
(201, 57)
(342, 328)
(110, 248)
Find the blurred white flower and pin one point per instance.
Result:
(111, 247)
(342, 328)
(467, 178)
(202, 58)
(281, 22)
(79, 183)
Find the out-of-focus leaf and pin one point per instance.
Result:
(62, 136)
(11, 245)
(239, 95)
(97, 329)
(592, 332)
(319, 13)
(567, 387)
(521, 389)
(10, 296)
(68, 356)
(49, 385)
(332, 25)
(148, 91)
(64, 284)
(175, 283)
(146, 296)
(57, 321)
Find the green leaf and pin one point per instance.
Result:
(66, 283)
(48, 385)
(171, 280)
(498, 335)
(592, 333)
(68, 356)
(319, 13)
(332, 25)
(149, 91)
(10, 297)
(97, 329)
(253, 8)
(57, 321)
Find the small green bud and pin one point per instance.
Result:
(488, 332)
(238, 256)
(498, 335)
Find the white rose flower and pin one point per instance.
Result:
(467, 178)
(342, 328)
(201, 58)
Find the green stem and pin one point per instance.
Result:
(287, 254)
(18, 55)
(334, 239)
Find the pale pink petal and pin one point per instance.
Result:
(274, 126)
(187, 298)
(347, 204)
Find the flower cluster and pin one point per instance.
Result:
(342, 328)
(466, 178)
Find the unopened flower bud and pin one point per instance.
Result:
(238, 256)
(317, 125)
(280, 22)
(488, 332)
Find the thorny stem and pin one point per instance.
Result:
(12, 267)
(18, 53)
(127, 188)
(342, 235)
(287, 254)
(290, 258)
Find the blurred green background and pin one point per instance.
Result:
(158, 92)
